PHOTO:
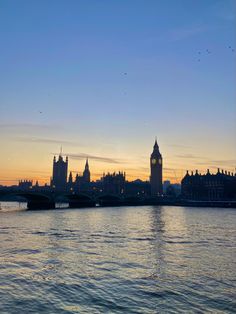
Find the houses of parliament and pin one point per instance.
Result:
(111, 183)
(209, 186)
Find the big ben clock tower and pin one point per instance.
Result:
(156, 171)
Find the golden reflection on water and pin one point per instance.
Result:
(107, 251)
(90, 241)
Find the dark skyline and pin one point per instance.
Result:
(214, 186)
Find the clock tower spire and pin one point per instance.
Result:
(156, 171)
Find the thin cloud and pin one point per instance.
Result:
(208, 162)
(222, 163)
(173, 169)
(179, 146)
(23, 126)
(82, 156)
(137, 169)
(189, 156)
(33, 171)
(46, 141)
(8, 180)
(186, 32)
(144, 168)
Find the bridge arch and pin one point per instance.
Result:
(109, 200)
(34, 200)
(80, 200)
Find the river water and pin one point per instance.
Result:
(146, 259)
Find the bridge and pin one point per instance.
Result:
(48, 199)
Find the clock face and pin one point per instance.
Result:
(154, 161)
(160, 161)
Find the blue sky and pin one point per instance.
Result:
(103, 78)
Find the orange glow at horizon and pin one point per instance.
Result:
(33, 160)
(45, 179)
(12, 177)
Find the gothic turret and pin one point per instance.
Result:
(86, 173)
(70, 181)
(59, 174)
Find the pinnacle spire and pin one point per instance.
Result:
(86, 164)
(155, 144)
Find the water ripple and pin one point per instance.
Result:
(123, 260)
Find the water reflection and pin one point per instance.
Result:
(12, 206)
(158, 230)
(122, 260)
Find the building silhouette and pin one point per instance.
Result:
(138, 188)
(70, 184)
(113, 183)
(86, 173)
(219, 186)
(156, 171)
(25, 184)
(81, 182)
(59, 173)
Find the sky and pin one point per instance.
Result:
(102, 78)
